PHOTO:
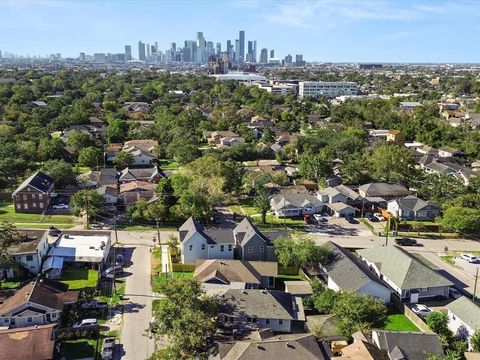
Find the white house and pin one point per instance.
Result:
(294, 205)
(413, 208)
(339, 209)
(463, 318)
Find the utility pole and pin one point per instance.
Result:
(475, 286)
(158, 234)
(115, 228)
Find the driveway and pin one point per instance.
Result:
(135, 345)
(339, 227)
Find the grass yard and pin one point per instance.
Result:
(156, 261)
(168, 164)
(9, 284)
(7, 213)
(448, 259)
(399, 322)
(79, 278)
(280, 281)
(79, 349)
(158, 280)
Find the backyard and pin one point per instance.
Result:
(7, 213)
(280, 281)
(160, 279)
(79, 349)
(9, 284)
(79, 278)
(399, 322)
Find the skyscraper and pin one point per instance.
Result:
(141, 51)
(250, 52)
(254, 55)
(288, 60)
(241, 55)
(237, 51)
(272, 54)
(148, 51)
(219, 48)
(264, 56)
(128, 52)
(299, 60)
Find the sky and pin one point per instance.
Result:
(324, 30)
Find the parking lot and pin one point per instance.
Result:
(339, 227)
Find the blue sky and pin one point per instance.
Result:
(327, 30)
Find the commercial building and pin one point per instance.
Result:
(128, 52)
(141, 51)
(326, 89)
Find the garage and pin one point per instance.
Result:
(340, 210)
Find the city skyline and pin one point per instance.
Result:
(381, 31)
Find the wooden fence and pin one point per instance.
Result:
(410, 315)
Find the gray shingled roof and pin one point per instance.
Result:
(348, 272)
(466, 310)
(384, 189)
(407, 345)
(39, 181)
(294, 200)
(411, 202)
(403, 269)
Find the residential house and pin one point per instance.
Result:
(410, 279)
(143, 151)
(109, 194)
(295, 347)
(409, 105)
(151, 175)
(37, 104)
(29, 253)
(465, 175)
(340, 209)
(395, 136)
(137, 107)
(407, 345)
(446, 151)
(216, 136)
(413, 208)
(345, 272)
(295, 205)
(463, 318)
(339, 193)
(196, 242)
(235, 274)
(111, 151)
(39, 302)
(83, 247)
(251, 244)
(96, 179)
(260, 309)
(301, 288)
(33, 195)
(360, 349)
(27, 343)
(383, 190)
(427, 150)
(436, 166)
(131, 192)
(230, 141)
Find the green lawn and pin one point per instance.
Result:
(9, 284)
(399, 322)
(79, 349)
(7, 213)
(158, 280)
(168, 164)
(280, 281)
(79, 278)
(448, 259)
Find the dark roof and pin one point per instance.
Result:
(39, 181)
(34, 342)
(384, 189)
(246, 231)
(410, 346)
(46, 292)
(212, 235)
(347, 271)
(414, 203)
(29, 242)
(291, 347)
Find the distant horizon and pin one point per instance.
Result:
(414, 32)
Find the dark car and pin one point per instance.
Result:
(405, 241)
(370, 217)
(351, 220)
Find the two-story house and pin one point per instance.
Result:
(295, 205)
(33, 195)
(37, 303)
(463, 318)
(413, 208)
(251, 244)
(143, 151)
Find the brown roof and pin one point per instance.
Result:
(52, 294)
(361, 350)
(235, 270)
(28, 343)
(29, 243)
(134, 185)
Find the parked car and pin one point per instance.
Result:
(468, 257)
(370, 217)
(454, 293)
(96, 226)
(320, 218)
(60, 206)
(307, 219)
(351, 220)
(85, 322)
(421, 310)
(108, 343)
(378, 216)
(405, 241)
(109, 271)
(94, 304)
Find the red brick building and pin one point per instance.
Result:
(33, 195)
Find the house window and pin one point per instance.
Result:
(41, 205)
(280, 321)
(6, 321)
(262, 248)
(203, 246)
(222, 247)
(18, 206)
(34, 205)
(424, 289)
(29, 258)
(25, 206)
(40, 196)
(191, 247)
(230, 247)
(54, 316)
(267, 321)
(250, 249)
(29, 319)
(24, 197)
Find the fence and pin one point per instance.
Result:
(410, 315)
(177, 267)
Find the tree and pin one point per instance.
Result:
(165, 193)
(316, 166)
(86, 202)
(462, 220)
(49, 149)
(358, 313)
(232, 173)
(9, 237)
(438, 322)
(392, 163)
(475, 340)
(262, 202)
(90, 156)
(186, 316)
(299, 251)
(123, 159)
(79, 140)
(254, 180)
(61, 172)
(324, 301)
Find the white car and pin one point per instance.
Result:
(60, 206)
(421, 310)
(320, 218)
(85, 322)
(378, 216)
(454, 293)
(468, 257)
